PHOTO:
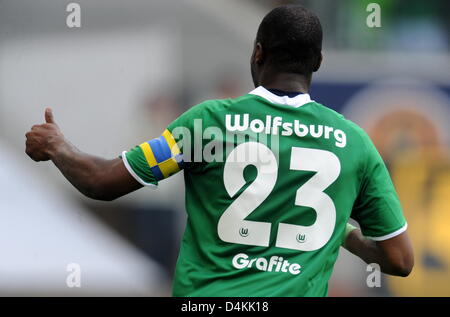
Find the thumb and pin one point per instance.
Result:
(49, 115)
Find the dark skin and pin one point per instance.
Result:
(95, 177)
(395, 255)
(265, 75)
(106, 180)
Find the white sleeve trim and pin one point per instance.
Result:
(390, 235)
(130, 170)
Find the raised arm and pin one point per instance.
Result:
(94, 177)
(395, 255)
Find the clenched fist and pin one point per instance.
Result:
(44, 138)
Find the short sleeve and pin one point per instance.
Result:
(163, 157)
(154, 160)
(377, 208)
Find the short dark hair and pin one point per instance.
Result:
(291, 37)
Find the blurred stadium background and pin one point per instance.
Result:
(134, 66)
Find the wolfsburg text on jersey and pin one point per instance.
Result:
(207, 143)
(272, 125)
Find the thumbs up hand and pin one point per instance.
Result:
(43, 139)
(49, 116)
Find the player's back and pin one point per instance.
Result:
(271, 181)
(268, 195)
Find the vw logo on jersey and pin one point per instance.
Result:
(301, 238)
(243, 232)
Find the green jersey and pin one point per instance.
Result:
(271, 182)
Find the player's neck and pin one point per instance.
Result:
(288, 82)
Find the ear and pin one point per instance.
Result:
(319, 63)
(258, 54)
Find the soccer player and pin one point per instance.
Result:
(271, 178)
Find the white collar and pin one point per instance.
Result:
(295, 102)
